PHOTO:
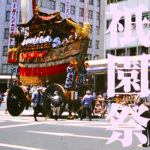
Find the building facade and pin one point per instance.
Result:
(135, 47)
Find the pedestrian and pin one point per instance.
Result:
(5, 100)
(87, 105)
(56, 102)
(37, 102)
(1, 98)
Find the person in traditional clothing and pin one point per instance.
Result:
(48, 38)
(82, 75)
(56, 42)
(71, 73)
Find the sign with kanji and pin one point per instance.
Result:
(14, 19)
(67, 8)
(127, 75)
(128, 26)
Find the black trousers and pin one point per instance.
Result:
(84, 113)
(147, 134)
(37, 110)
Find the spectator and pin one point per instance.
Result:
(5, 100)
(1, 98)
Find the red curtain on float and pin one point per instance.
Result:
(43, 71)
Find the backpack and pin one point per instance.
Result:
(56, 101)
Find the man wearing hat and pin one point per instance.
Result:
(87, 104)
(37, 101)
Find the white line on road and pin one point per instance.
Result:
(19, 147)
(20, 125)
(70, 134)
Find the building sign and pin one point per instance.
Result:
(67, 8)
(131, 74)
(128, 26)
(14, 19)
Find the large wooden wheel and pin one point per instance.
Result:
(16, 101)
(50, 92)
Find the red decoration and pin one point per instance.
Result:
(43, 71)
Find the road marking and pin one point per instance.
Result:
(21, 125)
(70, 134)
(19, 147)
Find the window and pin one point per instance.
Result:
(91, 29)
(6, 69)
(98, 3)
(91, 2)
(90, 14)
(73, 8)
(52, 4)
(108, 23)
(8, 1)
(8, 16)
(62, 7)
(5, 48)
(131, 51)
(81, 12)
(120, 52)
(89, 57)
(90, 44)
(96, 57)
(48, 4)
(112, 52)
(97, 16)
(6, 34)
(81, 0)
(142, 50)
(97, 44)
(97, 30)
(122, 22)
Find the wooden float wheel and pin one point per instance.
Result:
(16, 101)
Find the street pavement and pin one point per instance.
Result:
(23, 133)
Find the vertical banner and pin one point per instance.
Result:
(86, 11)
(33, 6)
(14, 20)
(26, 10)
(67, 8)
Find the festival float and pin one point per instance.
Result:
(43, 49)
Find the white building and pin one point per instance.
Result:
(50, 6)
(132, 48)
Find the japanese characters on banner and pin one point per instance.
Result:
(86, 11)
(131, 75)
(67, 8)
(14, 19)
(128, 75)
(128, 26)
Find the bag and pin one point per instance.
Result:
(56, 102)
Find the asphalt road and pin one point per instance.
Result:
(23, 133)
